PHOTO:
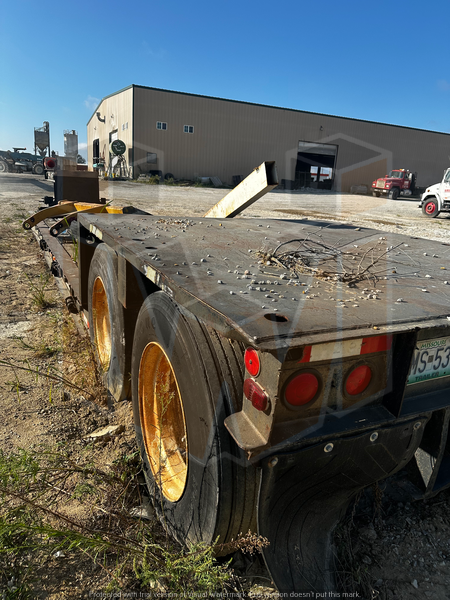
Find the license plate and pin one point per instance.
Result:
(431, 360)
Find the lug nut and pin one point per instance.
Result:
(328, 448)
(374, 436)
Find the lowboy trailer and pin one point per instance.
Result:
(276, 367)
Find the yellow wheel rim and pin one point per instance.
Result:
(101, 323)
(162, 421)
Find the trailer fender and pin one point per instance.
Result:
(304, 494)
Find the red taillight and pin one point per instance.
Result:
(358, 380)
(255, 394)
(252, 363)
(302, 389)
(50, 163)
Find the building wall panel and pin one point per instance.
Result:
(231, 138)
(117, 110)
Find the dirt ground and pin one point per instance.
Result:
(389, 546)
(40, 413)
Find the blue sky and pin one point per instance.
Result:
(378, 61)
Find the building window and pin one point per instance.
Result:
(124, 126)
(152, 158)
(161, 125)
(188, 129)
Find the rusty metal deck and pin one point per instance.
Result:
(211, 266)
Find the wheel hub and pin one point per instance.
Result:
(101, 323)
(163, 422)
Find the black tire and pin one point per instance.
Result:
(377, 194)
(168, 176)
(217, 498)
(4, 167)
(74, 231)
(107, 323)
(430, 207)
(38, 169)
(394, 194)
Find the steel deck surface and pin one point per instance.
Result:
(213, 268)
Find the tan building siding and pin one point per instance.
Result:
(117, 110)
(231, 138)
(363, 174)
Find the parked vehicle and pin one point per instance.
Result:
(399, 182)
(20, 162)
(273, 367)
(436, 198)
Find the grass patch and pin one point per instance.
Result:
(65, 511)
(39, 293)
(41, 490)
(77, 371)
(21, 216)
(152, 180)
(42, 350)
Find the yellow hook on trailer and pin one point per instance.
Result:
(70, 210)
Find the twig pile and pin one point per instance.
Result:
(311, 256)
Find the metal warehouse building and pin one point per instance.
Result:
(190, 136)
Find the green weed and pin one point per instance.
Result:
(42, 350)
(75, 251)
(39, 291)
(36, 488)
(51, 375)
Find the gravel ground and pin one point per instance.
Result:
(389, 546)
(399, 216)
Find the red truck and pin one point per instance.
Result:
(398, 182)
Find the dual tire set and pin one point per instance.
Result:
(183, 379)
(392, 195)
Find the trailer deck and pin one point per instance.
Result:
(213, 267)
(318, 401)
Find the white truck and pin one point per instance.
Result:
(436, 198)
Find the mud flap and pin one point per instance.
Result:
(304, 494)
(430, 471)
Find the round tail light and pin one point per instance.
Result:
(302, 389)
(358, 380)
(256, 394)
(252, 364)
(50, 163)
